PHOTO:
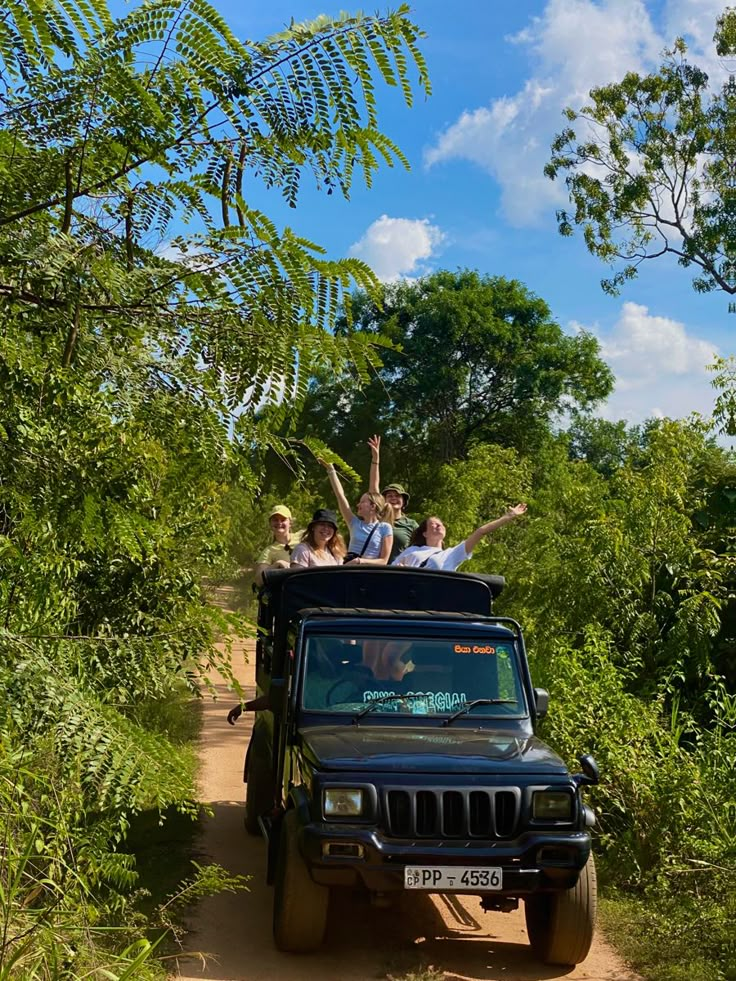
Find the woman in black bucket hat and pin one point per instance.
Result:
(322, 544)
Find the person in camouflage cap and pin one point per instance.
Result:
(396, 496)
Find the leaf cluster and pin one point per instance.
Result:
(146, 312)
(647, 165)
(473, 359)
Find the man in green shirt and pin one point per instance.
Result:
(396, 496)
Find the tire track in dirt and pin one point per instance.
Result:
(234, 931)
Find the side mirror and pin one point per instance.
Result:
(541, 702)
(590, 775)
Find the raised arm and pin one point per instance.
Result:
(472, 540)
(374, 478)
(342, 501)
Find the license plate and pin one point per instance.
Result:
(451, 878)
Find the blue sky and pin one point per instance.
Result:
(475, 196)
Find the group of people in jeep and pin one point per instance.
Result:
(380, 531)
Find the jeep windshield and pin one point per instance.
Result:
(411, 676)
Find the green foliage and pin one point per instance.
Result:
(665, 810)
(62, 908)
(628, 554)
(467, 493)
(644, 806)
(725, 35)
(97, 160)
(476, 359)
(647, 165)
(605, 445)
(724, 381)
(147, 310)
(623, 581)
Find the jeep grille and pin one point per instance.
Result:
(457, 813)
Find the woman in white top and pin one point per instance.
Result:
(427, 543)
(371, 532)
(322, 544)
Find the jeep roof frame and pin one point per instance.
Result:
(389, 589)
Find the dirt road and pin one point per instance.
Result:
(451, 934)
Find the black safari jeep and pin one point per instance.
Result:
(395, 750)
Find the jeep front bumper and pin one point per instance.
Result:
(350, 855)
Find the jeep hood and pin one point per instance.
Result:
(395, 749)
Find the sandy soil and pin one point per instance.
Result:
(234, 931)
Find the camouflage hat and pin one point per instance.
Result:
(399, 490)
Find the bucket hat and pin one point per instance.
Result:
(324, 514)
(399, 490)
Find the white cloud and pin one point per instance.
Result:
(660, 367)
(398, 247)
(192, 255)
(573, 46)
(695, 19)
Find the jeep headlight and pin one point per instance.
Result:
(342, 802)
(552, 805)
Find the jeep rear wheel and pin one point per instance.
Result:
(299, 904)
(258, 793)
(561, 924)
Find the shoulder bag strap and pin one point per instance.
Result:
(367, 542)
(422, 564)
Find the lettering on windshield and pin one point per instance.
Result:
(474, 649)
(437, 701)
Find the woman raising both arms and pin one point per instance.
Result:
(427, 543)
(371, 534)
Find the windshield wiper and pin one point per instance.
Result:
(383, 698)
(478, 701)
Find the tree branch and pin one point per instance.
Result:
(129, 231)
(224, 193)
(66, 222)
(71, 339)
(239, 184)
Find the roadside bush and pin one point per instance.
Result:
(664, 806)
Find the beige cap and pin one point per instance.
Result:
(282, 510)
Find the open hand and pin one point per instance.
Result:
(516, 512)
(375, 444)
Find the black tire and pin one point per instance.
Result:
(258, 792)
(561, 924)
(299, 904)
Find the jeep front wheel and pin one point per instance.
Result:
(299, 904)
(561, 924)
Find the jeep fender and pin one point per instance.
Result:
(298, 800)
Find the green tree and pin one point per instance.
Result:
(144, 304)
(648, 165)
(101, 159)
(603, 444)
(637, 554)
(475, 359)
